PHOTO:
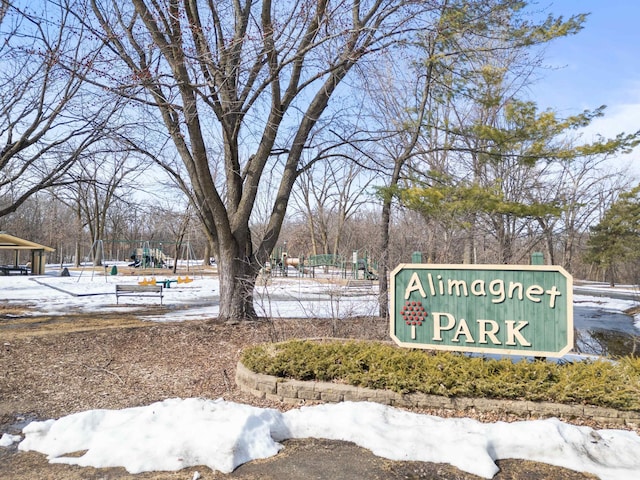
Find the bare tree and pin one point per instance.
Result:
(47, 121)
(585, 187)
(406, 121)
(328, 195)
(253, 78)
(177, 221)
(100, 179)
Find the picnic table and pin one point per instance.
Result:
(9, 269)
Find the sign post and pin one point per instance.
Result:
(503, 309)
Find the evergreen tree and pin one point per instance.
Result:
(616, 239)
(511, 160)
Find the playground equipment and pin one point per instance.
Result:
(165, 283)
(144, 255)
(97, 255)
(147, 257)
(357, 268)
(154, 257)
(327, 261)
(188, 257)
(362, 265)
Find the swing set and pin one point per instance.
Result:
(142, 255)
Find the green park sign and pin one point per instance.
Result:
(504, 309)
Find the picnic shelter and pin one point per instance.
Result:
(11, 262)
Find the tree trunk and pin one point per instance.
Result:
(611, 271)
(176, 252)
(383, 297)
(206, 260)
(550, 252)
(237, 281)
(547, 231)
(76, 261)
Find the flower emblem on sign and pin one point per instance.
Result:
(413, 313)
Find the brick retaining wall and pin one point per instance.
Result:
(299, 392)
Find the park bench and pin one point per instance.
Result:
(139, 290)
(360, 283)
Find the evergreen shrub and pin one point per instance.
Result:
(377, 365)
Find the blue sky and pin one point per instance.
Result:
(598, 66)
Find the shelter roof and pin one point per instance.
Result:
(9, 242)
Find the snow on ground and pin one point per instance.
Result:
(284, 297)
(177, 433)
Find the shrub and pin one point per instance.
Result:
(385, 366)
